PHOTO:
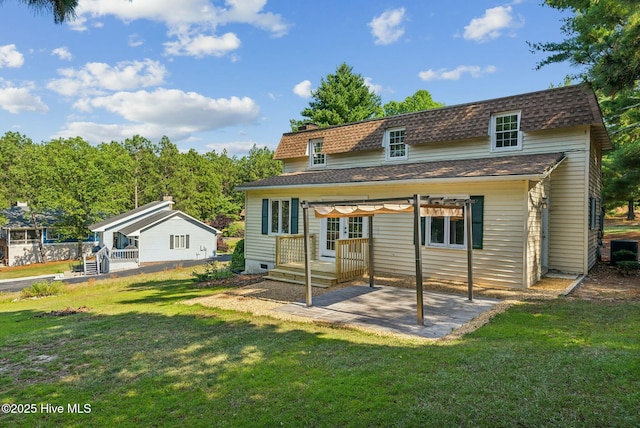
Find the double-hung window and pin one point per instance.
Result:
(316, 157)
(280, 216)
(395, 147)
(450, 231)
(178, 242)
(505, 132)
(446, 232)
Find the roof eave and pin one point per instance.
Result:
(486, 178)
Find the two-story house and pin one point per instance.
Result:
(531, 163)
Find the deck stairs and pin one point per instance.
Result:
(91, 267)
(321, 274)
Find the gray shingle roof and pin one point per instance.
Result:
(20, 218)
(514, 166)
(147, 221)
(130, 213)
(550, 109)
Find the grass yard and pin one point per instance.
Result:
(36, 269)
(138, 357)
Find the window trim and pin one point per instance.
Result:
(270, 219)
(313, 155)
(387, 144)
(447, 234)
(493, 132)
(593, 213)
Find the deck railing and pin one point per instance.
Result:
(290, 249)
(126, 255)
(352, 258)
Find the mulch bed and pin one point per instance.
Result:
(64, 312)
(237, 280)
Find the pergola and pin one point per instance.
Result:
(421, 206)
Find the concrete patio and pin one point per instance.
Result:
(392, 310)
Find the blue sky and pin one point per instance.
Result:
(214, 75)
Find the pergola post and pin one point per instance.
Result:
(416, 238)
(371, 267)
(468, 222)
(307, 254)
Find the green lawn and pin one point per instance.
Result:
(140, 358)
(36, 269)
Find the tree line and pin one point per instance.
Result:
(602, 42)
(86, 183)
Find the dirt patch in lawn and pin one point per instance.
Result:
(63, 312)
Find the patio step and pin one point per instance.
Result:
(297, 276)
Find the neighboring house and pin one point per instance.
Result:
(531, 163)
(152, 233)
(19, 238)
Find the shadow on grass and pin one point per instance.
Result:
(209, 367)
(165, 291)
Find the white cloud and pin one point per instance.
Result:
(19, 99)
(97, 77)
(62, 53)
(170, 112)
(455, 74)
(373, 87)
(386, 28)
(303, 89)
(10, 57)
(491, 24)
(195, 22)
(135, 40)
(201, 45)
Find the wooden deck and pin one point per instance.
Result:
(351, 261)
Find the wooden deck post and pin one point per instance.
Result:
(371, 267)
(307, 254)
(416, 239)
(469, 222)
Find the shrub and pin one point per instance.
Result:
(41, 289)
(236, 229)
(237, 258)
(628, 267)
(212, 271)
(625, 256)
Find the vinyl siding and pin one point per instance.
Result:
(154, 242)
(595, 191)
(498, 263)
(568, 205)
(538, 191)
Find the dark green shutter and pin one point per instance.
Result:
(187, 241)
(295, 203)
(171, 242)
(423, 231)
(265, 216)
(477, 217)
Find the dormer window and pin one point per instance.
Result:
(395, 147)
(505, 131)
(316, 157)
